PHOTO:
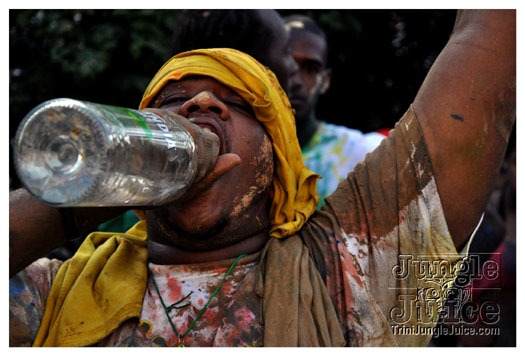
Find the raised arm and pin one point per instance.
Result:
(467, 107)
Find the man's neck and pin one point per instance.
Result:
(306, 129)
(252, 236)
(164, 254)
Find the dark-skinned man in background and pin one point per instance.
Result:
(328, 149)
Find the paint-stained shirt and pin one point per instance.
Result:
(380, 243)
(232, 317)
(333, 151)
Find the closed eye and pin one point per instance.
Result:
(243, 107)
(173, 101)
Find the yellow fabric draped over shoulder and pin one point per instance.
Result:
(102, 285)
(295, 196)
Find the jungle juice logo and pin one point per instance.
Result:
(430, 289)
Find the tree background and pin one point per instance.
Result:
(379, 59)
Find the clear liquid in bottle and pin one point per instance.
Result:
(73, 153)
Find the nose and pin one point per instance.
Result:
(296, 79)
(205, 102)
(293, 67)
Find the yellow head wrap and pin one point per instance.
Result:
(294, 186)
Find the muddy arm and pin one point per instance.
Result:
(467, 107)
(35, 228)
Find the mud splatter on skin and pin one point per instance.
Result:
(159, 99)
(202, 97)
(245, 201)
(263, 179)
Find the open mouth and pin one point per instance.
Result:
(297, 100)
(210, 124)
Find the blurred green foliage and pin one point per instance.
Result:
(105, 56)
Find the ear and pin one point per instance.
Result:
(326, 78)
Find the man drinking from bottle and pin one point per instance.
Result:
(243, 259)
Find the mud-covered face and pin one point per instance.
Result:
(220, 214)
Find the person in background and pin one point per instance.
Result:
(328, 149)
(258, 33)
